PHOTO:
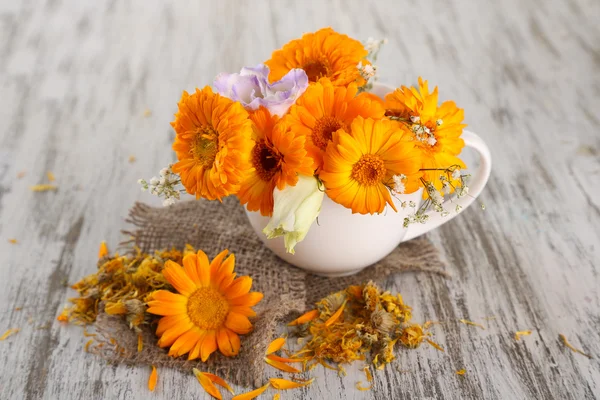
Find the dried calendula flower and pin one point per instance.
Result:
(371, 296)
(412, 336)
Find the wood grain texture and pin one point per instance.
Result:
(76, 78)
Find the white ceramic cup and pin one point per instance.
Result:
(342, 243)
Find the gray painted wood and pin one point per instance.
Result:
(76, 78)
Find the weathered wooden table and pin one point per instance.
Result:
(86, 85)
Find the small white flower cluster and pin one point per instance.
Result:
(366, 71)
(451, 178)
(163, 186)
(373, 46)
(399, 187)
(422, 132)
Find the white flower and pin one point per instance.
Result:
(295, 209)
(431, 141)
(154, 181)
(456, 174)
(463, 191)
(169, 201)
(165, 171)
(446, 187)
(414, 119)
(398, 184)
(439, 122)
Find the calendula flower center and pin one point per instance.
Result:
(316, 70)
(265, 160)
(323, 130)
(205, 146)
(207, 308)
(369, 170)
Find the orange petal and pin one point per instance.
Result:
(191, 269)
(170, 321)
(226, 346)
(209, 345)
(281, 366)
(336, 315)
(203, 268)
(275, 345)
(172, 334)
(304, 318)
(207, 384)
(219, 381)
(283, 384)
(186, 342)
(215, 265)
(153, 379)
(238, 323)
(239, 287)
(103, 251)
(195, 353)
(253, 394)
(288, 360)
(250, 299)
(247, 311)
(178, 278)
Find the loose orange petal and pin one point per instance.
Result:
(21, 174)
(219, 381)
(361, 388)
(288, 360)
(461, 372)
(467, 322)
(87, 345)
(368, 373)
(12, 241)
(152, 380)
(283, 384)
(434, 344)
(521, 333)
(103, 251)
(140, 343)
(304, 318)
(336, 315)
(50, 176)
(253, 394)
(275, 345)
(207, 384)
(569, 345)
(281, 366)
(276, 396)
(43, 188)
(9, 333)
(132, 159)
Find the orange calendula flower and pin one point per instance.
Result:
(324, 53)
(437, 130)
(210, 310)
(359, 168)
(278, 156)
(324, 109)
(212, 144)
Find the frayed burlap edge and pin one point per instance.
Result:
(212, 227)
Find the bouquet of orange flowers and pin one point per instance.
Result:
(283, 134)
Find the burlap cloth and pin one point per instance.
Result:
(212, 227)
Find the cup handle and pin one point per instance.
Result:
(476, 185)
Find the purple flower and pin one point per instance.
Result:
(251, 87)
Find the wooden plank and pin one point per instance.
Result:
(77, 78)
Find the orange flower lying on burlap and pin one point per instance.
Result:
(210, 310)
(212, 144)
(278, 156)
(359, 167)
(437, 130)
(324, 53)
(323, 109)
